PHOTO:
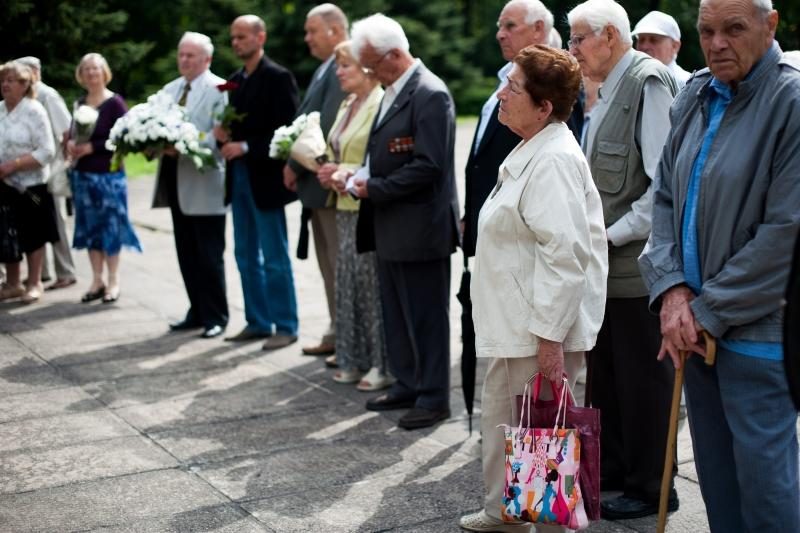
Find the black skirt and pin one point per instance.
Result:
(27, 221)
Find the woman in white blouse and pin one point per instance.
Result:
(26, 148)
(539, 282)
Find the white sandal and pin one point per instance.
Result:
(374, 380)
(347, 376)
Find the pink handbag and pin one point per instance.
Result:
(542, 471)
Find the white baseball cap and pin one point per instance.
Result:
(658, 23)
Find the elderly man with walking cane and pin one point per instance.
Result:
(725, 217)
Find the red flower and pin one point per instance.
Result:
(228, 86)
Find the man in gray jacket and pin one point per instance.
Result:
(725, 216)
(326, 26)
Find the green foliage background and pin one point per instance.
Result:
(455, 38)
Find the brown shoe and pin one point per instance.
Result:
(281, 340)
(323, 348)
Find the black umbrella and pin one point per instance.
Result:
(468, 358)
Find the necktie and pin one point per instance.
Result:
(184, 94)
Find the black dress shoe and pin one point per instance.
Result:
(419, 417)
(626, 508)
(385, 402)
(183, 325)
(91, 296)
(212, 331)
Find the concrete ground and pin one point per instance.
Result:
(110, 423)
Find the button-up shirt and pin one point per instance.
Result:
(719, 97)
(652, 127)
(491, 103)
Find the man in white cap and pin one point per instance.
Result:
(659, 36)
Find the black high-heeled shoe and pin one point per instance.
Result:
(91, 296)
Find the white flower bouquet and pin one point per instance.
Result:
(280, 146)
(84, 120)
(302, 141)
(151, 127)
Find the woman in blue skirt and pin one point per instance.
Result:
(100, 195)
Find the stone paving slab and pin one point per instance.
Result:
(295, 467)
(215, 442)
(32, 405)
(25, 470)
(216, 519)
(29, 374)
(59, 430)
(165, 496)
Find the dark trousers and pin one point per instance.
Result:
(200, 243)
(633, 391)
(416, 298)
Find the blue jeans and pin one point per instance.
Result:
(744, 435)
(261, 249)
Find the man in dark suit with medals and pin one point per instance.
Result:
(409, 181)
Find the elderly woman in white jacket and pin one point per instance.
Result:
(539, 281)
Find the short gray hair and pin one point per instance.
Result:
(600, 13)
(331, 14)
(765, 6)
(554, 39)
(31, 62)
(534, 10)
(381, 32)
(201, 40)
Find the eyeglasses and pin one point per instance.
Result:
(575, 41)
(371, 70)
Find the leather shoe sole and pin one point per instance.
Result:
(626, 508)
(385, 402)
(420, 417)
(212, 331)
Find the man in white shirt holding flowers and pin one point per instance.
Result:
(196, 198)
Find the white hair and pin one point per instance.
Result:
(201, 40)
(330, 14)
(534, 11)
(600, 13)
(380, 32)
(554, 39)
(764, 6)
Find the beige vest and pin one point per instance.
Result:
(618, 170)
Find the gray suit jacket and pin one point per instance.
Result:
(199, 193)
(324, 95)
(412, 191)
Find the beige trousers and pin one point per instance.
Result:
(326, 246)
(505, 378)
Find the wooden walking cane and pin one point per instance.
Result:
(672, 437)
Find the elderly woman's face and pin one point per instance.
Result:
(350, 74)
(13, 87)
(516, 106)
(92, 74)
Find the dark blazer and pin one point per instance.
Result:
(269, 98)
(412, 193)
(325, 95)
(480, 176)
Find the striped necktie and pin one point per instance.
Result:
(184, 94)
